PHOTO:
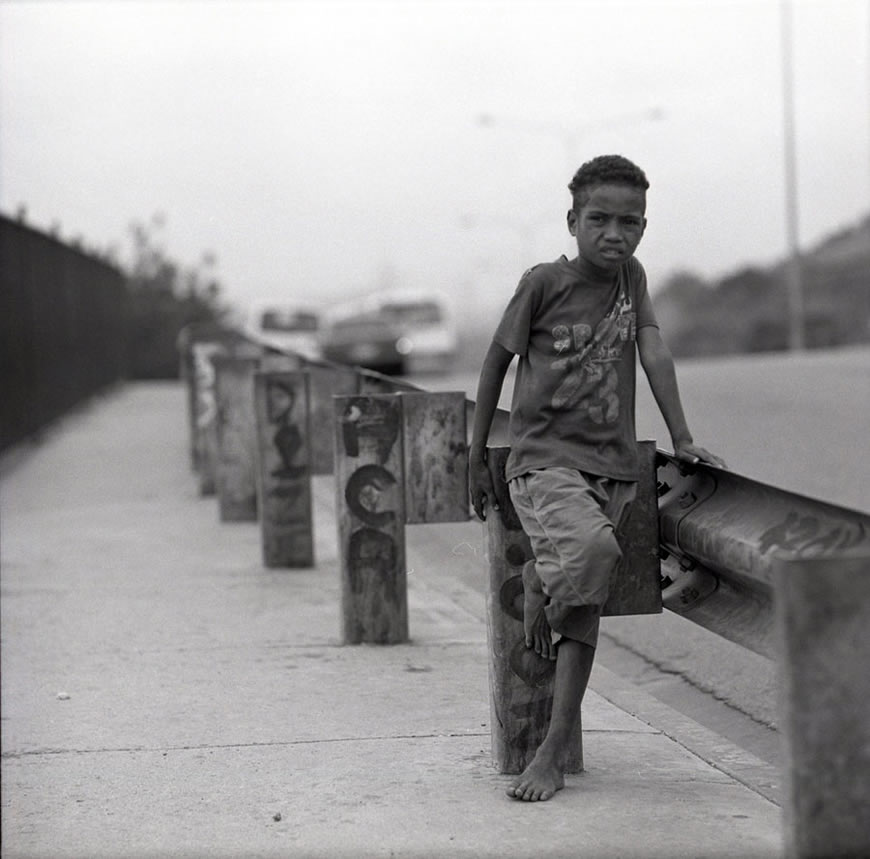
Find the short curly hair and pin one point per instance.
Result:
(612, 169)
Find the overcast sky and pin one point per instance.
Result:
(320, 149)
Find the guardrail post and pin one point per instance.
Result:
(325, 383)
(213, 335)
(205, 408)
(436, 457)
(822, 607)
(371, 382)
(520, 681)
(187, 372)
(636, 587)
(237, 438)
(280, 362)
(371, 518)
(284, 468)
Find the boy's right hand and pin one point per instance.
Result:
(481, 487)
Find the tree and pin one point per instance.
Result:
(164, 297)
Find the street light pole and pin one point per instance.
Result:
(794, 279)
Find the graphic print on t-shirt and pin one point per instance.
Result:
(588, 360)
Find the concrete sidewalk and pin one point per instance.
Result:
(163, 694)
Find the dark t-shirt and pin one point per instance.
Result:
(575, 334)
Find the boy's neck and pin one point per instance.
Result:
(597, 275)
(594, 273)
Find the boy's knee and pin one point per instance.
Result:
(602, 549)
(582, 574)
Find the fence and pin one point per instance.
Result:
(782, 574)
(61, 329)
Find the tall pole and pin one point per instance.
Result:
(794, 285)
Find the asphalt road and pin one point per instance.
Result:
(795, 421)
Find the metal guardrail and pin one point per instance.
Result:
(721, 534)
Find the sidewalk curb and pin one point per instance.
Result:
(727, 757)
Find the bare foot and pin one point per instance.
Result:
(539, 782)
(539, 636)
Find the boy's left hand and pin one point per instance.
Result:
(694, 454)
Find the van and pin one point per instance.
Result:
(424, 319)
(288, 328)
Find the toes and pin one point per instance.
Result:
(534, 794)
(529, 792)
(548, 651)
(520, 790)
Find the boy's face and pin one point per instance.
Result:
(609, 225)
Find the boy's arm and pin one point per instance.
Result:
(658, 364)
(492, 374)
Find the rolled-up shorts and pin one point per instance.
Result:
(570, 518)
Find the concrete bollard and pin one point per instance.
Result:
(822, 610)
(281, 400)
(236, 435)
(326, 382)
(371, 518)
(436, 457)
(521, 691)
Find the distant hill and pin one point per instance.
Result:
(747, 311)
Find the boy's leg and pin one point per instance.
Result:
(563, 590)
(545, 774)
(539, 635)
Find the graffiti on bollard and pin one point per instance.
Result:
(371, 520)
(521, 681)
(284, 478)
(237, 438)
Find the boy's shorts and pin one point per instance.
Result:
(570, 518)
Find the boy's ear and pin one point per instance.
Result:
(572, 222)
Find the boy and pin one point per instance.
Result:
(572, 468)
